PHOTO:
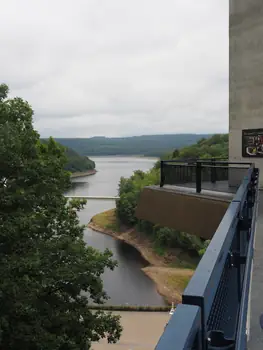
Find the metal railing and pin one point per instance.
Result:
(198, 172)
(213, 313)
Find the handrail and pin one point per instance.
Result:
(213, 166)
(241, 338)
(220, 285)
(205, 160)
(174, 172)
(203, 286)
(187, 335)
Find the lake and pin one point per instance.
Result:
(127, 284)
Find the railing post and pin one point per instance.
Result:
(162, 174)
(213, 171)
(198, 177)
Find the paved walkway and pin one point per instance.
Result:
(141, 331)
(256, 304)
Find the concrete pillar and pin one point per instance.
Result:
(245, 81)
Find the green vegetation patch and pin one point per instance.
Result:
(107, 220)
(179, 282)
(75, 163)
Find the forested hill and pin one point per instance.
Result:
(215, 146)
(77, 163)
(146, 145)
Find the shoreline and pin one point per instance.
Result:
(122, 236)
(169, 281)
(83, 173)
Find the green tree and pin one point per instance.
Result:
(48, 274)
(175, 153)
(75, 162)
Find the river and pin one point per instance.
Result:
(127, 284)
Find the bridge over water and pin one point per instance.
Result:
(94, 197)
(221, 307)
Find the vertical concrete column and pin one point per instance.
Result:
(245, 77)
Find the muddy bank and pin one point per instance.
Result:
(170, 281)
(83, 173)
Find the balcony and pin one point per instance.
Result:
(214, 311)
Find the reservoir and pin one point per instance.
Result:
(127, 284)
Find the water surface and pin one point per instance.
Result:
(127, 284)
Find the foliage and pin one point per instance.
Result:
(129, 191)
(165, 237)
(75, 162)
(48, 274)
(202, 251)
(215, 146)
(146, 145)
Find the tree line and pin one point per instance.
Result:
(145, 145)
(75, 162)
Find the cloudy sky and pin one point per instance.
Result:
(118, 67)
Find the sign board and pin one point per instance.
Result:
(252, 143)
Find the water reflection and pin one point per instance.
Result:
(78, 186)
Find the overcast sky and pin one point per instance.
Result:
(118, 67)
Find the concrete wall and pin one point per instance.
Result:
(245, 76)
(195, 214)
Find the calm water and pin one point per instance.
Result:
(127, 283)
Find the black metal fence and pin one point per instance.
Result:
(199, 173)
(213, 313)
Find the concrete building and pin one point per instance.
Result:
(246, 84)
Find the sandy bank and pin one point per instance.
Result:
(83, 173)
(170, 282)
(137, 242)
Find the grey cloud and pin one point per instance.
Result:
(99, 67)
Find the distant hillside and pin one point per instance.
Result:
(76, 163)
(146, 145)
(215, 146)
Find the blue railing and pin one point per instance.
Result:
(213, 313)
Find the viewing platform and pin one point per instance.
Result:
(193, 195)
(222, 306)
